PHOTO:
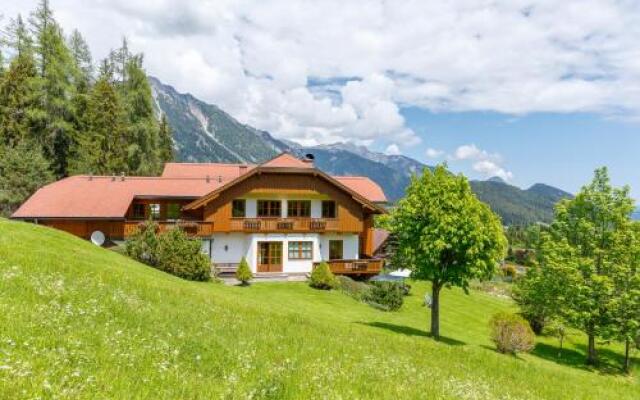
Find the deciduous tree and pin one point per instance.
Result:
(445, 234)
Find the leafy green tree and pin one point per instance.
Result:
(542, 291)
(23, 170)
(445, 234)
(589, 227)
(626, 277)
(243, 273)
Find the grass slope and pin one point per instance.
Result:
(77, 321)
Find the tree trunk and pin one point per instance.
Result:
(627, 360)
(592, 358)
(435, 310)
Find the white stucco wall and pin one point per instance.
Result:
(229, 247)
(350, 245)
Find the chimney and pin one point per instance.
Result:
(208, 179)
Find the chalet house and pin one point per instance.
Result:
(284, 215)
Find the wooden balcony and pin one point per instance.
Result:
(355, 267)
(283, 225)
(193, 228)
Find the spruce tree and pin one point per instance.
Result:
(82, 79)
(23, 170)
(55, 66)
(165, 145)
(18, 100)
(103, 149)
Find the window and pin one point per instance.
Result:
(138, 211)
(300, 250)
(328, 209)
(269, 208)
(238, 208)
(299, 208)
(154, 211)
(173, 211)
(335, 250)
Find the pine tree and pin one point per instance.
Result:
(55, 67)
(143, 130)
(23, 170)
(18, 100)
(103, 149)
(165, 145)
(18, 36)
(82, 79)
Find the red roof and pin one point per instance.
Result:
(109, 197)
(105, 197)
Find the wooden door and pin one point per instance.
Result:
(269, 256)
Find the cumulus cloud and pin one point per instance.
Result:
(392, 150)
(483, 162)
(433, 153)
(328, 71)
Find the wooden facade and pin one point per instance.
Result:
(355, 267)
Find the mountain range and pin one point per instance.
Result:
(203, 132)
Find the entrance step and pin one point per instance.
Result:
(258, 277)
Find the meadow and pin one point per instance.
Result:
(78, 321)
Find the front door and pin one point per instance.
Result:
(269, 256)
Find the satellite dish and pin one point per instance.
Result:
(97, 238)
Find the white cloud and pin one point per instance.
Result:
(392, 150)
(259, 60)
(434, 153)
(483, 162)
(491, 169)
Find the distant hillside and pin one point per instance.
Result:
(203, 132)
(517, 206)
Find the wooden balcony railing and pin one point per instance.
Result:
(283, 225)
(194, 228)
(354, 267)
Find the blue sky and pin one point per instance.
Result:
(558, 149)
(529, 90)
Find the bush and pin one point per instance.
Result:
(511, 333)
(243, 273)
(357, 290)
(387, 296)
(509, 271)
(322, 277)
(143, 244)
(173, 252)
(181, 256)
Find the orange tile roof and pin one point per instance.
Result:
(103, 197)
(108, 197)
(363, 186)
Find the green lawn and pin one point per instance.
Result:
(77, 321)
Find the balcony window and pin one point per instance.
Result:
(299, 208)
(300, 250)
(173, 211)
(138, 211)
(335, 250)
(269, 208)
(238, 208)
(154, 211)
(328, 209)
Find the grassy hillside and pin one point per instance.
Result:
(77, 321)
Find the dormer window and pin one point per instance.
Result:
(154, 211)
(299, 208)
(269, 208)
(238, 208)
(328, 209)
(138, 211)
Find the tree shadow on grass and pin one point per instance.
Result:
(410, 331)
(609, 362)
